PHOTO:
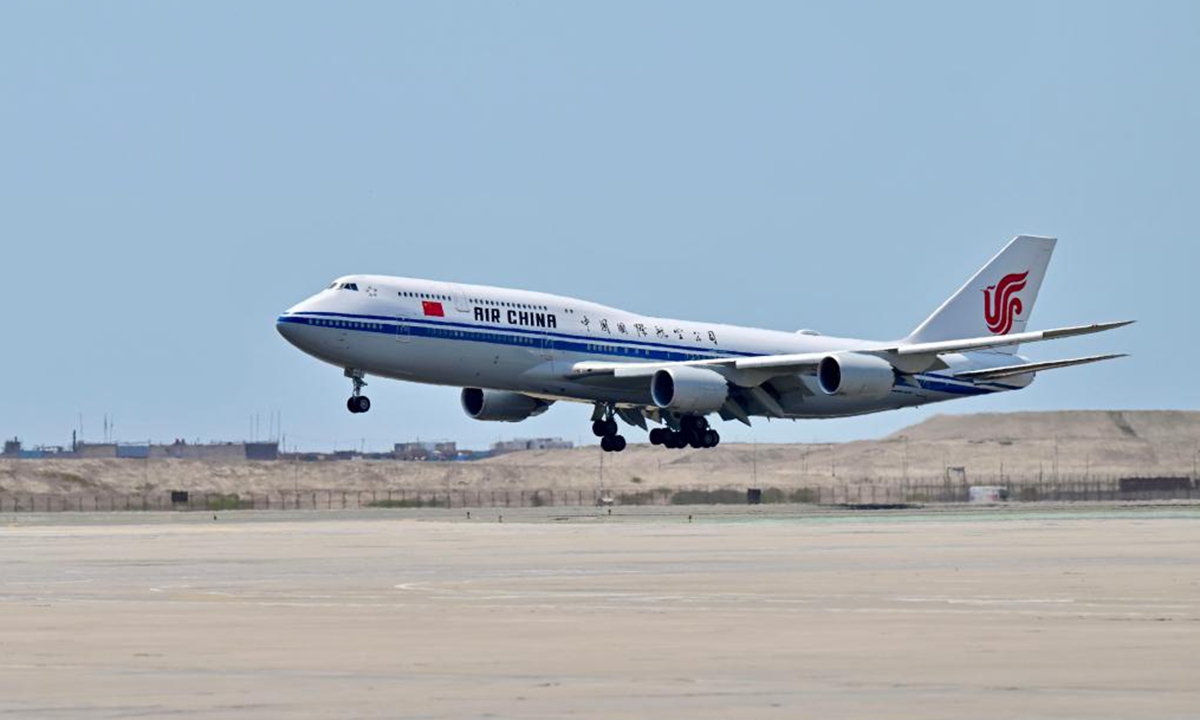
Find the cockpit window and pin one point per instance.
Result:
(348, 286)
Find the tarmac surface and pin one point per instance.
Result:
(741, 613)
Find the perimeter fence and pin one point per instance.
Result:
(891, 493)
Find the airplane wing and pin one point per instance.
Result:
(997, 373)
(743, 371)
(909, 358)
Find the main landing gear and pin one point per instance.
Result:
(693, 432)
(358, 403)
(606, 429)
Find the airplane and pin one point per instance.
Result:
(516, 352)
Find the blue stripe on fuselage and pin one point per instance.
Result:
(581, 341)
(507, 336)
(522, 337)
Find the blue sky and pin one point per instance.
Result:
(176, 174)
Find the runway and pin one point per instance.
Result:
(738, 614)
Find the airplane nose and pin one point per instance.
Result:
(286, 328)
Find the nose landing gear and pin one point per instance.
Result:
(358, 403)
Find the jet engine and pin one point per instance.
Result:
(500, 405)
(688, 389)
(854, 375)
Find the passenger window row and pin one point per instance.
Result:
(635, 351)
(349, 324)
(424, 296)
(483, 336)
(500, 303)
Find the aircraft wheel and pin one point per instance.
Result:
(352, 405)
(711, 438)
(618, 443)
(600, 428)
(362, 404)
(657, 436)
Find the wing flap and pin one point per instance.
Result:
(1005, 371)
(776, 364)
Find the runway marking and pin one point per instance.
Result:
(986, 601)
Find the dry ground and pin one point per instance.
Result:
(1093, 444)
(739, 614)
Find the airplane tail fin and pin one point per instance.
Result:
(997, 300)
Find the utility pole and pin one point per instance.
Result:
(754, 459)
(1056, 459)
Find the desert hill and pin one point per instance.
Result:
(980, 448)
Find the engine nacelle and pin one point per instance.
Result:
(688, 389)
(500, 405)
(854, 375)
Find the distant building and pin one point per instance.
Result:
(441, 450)
(91, 451)
(262, 451)
(178, 450)
(519, 444)
(15, 449)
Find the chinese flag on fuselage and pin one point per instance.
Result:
(432, 308)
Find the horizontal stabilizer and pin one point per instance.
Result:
(983, 343)
(1010, 370)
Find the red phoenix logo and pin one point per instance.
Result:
(1001, 304)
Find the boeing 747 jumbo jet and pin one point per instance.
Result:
(516, 352)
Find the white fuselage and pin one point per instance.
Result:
(502, 339)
